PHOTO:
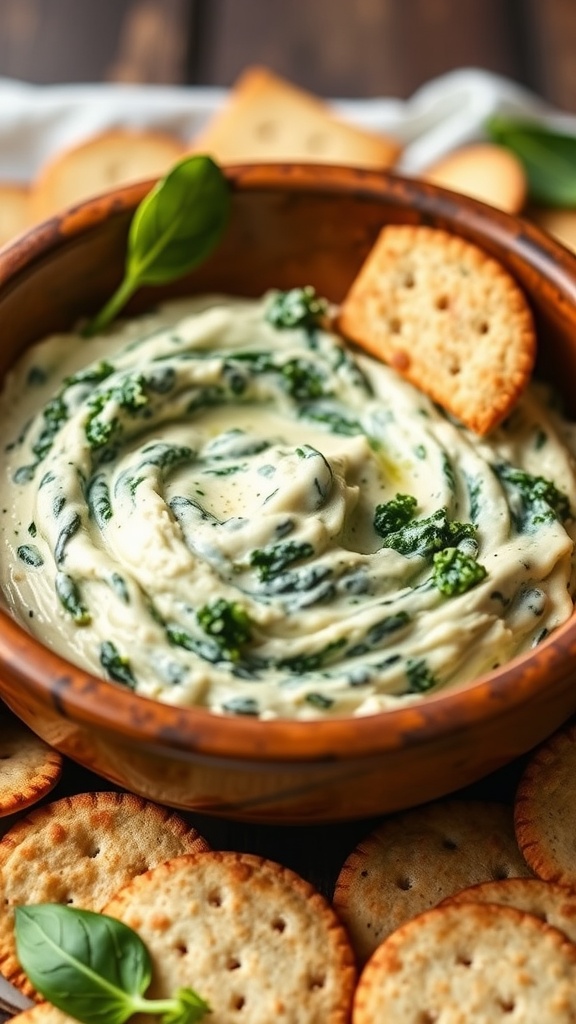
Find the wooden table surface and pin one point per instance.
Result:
(339, 48)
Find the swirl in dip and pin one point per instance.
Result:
(220, 510)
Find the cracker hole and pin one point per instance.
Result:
(409, 280)
(395, 325)
(181, 948)
(507, 1005)
(279, 924)
(404, 883)
(94, 852)
(214, 899)
(449, 844)
(483, 327)
(454, 369)
(464, 960)
(442, 302)
(425, 1017)
(233, 964)
(69, 900)
(316, 982)
(238, 1002)
(364, 874)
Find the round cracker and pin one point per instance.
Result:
(544, 809)
(102, 162)
(472, 963)
(553, 904)
(79, 851)
(484, 171)
(29, 768)
(414, 860)
(255, 940)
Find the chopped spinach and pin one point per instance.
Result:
(273, 560)
(242, 706)
(302, 663)
(98, 500)
(129, 394)
(425, 536)
(319, 700)
(116, 665)
(534, 500)
(394, 514)
(70, 528)
(298, 307)
(228, 624)
(378, 632)
(30, 555)
(420, 677)
(455, 572)
(68, 593)
(336, 421)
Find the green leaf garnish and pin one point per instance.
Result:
(93, 967)
(548, 157)
(174, 229)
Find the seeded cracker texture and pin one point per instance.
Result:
(79, 851)
(448, 318)
(255, 940)
(470, 964)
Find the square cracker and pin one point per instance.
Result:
(448, 317)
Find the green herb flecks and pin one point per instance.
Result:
(298, 307)
(426, 536)
(547, 155)
(174, 229)
(30, 555)
(94, 967)
(116, 665)
(533, 499)
(228, 624)
(394, 514)
(455, 572)
(70, 528)
(273, 560)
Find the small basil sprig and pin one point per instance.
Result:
(174, 229)
(548, 157)
(93, 967)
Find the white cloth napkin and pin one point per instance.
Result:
(37, 121)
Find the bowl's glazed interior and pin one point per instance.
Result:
(291, 225)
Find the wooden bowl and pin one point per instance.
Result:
(291, 225)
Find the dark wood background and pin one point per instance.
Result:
(337, 48)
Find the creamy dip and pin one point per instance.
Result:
(215, 511)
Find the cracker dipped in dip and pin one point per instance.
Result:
(221, 504)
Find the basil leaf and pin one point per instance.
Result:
(174, 229)
(548, 157)
(89, 965)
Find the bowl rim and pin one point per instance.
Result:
(102, 704)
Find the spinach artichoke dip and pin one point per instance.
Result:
(220, 504)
